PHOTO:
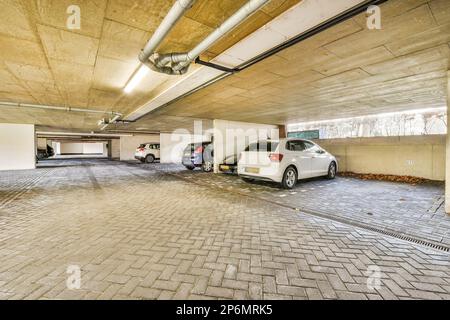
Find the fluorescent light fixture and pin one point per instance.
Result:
(136, 79)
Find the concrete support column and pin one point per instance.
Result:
(282, 131)
(447, 151)
(17, 146)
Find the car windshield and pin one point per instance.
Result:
(262, 146)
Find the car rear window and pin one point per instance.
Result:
(262, 146)
(142, 145)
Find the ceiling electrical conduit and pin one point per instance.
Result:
(178, 63)
(49, 107)
(115, 115)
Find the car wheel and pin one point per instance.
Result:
(289, 178)
(149, 159)
(190, 167)
(331, 170)
(207, 166)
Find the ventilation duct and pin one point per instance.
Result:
(178, 63)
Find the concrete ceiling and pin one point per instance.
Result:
(43, 62)
(345, 71)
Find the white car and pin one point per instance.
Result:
(286, 161)
(147, 152)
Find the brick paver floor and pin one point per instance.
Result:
(414, 210)
(138, 233)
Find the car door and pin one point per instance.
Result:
(319, 159)
(299, 157)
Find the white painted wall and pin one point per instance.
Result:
(232, 137)
(80, 148)
(95, 148)
(128, 145)
(56, 147)
(17, 146)
(173, 145)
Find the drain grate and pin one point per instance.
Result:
(438, 202)
(390, 233)
(425, 243)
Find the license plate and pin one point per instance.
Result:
(252, 170)
(225, 167)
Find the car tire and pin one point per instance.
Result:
(190, 167)
(331, 170)
(149, 159)
(207, 166)
(290, 178)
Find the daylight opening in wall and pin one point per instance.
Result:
(407, 123)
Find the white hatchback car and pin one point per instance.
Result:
(286, 161)
(147, 152)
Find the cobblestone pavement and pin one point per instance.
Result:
(414, 210)
(138, 233)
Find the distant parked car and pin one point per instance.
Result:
(229, 164)
(44, 153)
(197, 155)
(148, 152)
(286, 161)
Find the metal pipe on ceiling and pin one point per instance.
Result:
(237, 18)
(178, 63)
(115, 115)
(147, 55)
(59, 108)
(80, 134)
(299, 38)
(111, 121)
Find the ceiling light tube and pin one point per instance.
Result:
(136, 78)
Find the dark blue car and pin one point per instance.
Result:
(197, 155)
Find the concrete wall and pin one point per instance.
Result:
(115, 148)
(56, 147)
(42, 143)
(71, 148)
(232, 137)
(79, 148)
(173, 145)
(17, 147)
(128, 145)
(95, 148)
(418, 156)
